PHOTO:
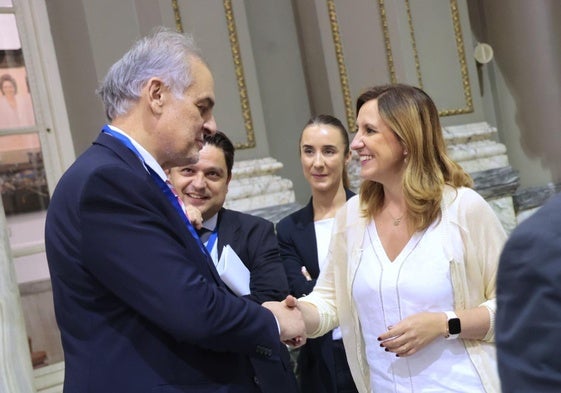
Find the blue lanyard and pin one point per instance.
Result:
(162, 184)
(211, 240)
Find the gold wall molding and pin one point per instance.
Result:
(238, 69)
(177, 16)
(455, 15)
(343, 77)
(387, 41)
(463, 64)
(414, 44)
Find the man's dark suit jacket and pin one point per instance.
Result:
(254, 241)
(139, 306)
(528, 320)
(298, 247)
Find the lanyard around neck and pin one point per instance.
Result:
(172, 197)
(211, 240)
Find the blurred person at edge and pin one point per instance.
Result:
(529, 304)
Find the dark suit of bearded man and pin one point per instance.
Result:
(254, 241)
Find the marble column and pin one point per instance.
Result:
(475, 148)
(255, 185)
(16, 374)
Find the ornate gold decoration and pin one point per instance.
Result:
(463, 64)
(459, 45)
(238, 68)
(387, 41)
(177, 16)
(414, 44)
(351, 118)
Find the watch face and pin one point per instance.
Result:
(454, 326)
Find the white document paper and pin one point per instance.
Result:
(233, 271)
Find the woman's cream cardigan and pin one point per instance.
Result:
(472, 238)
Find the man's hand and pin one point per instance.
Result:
(194, 215)
(292, 328)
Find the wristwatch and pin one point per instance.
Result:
(453, 326)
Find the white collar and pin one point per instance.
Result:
(146, 156)
(211, 223)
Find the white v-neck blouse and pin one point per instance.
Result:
(386, 292)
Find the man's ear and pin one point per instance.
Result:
(228, 181)
(156, 94)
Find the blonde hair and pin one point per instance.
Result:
(411, 114)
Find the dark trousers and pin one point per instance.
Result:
(344, 380)
(322, 367)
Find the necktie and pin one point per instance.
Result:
(166, 187)
(204, 234)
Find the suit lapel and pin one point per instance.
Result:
(228, 231)
(305, 237)
(129, 157)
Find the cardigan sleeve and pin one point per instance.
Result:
(323, 294)
(331, 290)
(483, 237)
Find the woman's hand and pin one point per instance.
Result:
(413, 333)
(306, 274)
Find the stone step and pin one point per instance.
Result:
(466, 133)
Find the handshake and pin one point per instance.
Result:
(293, 319)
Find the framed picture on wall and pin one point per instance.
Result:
(16, 107)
